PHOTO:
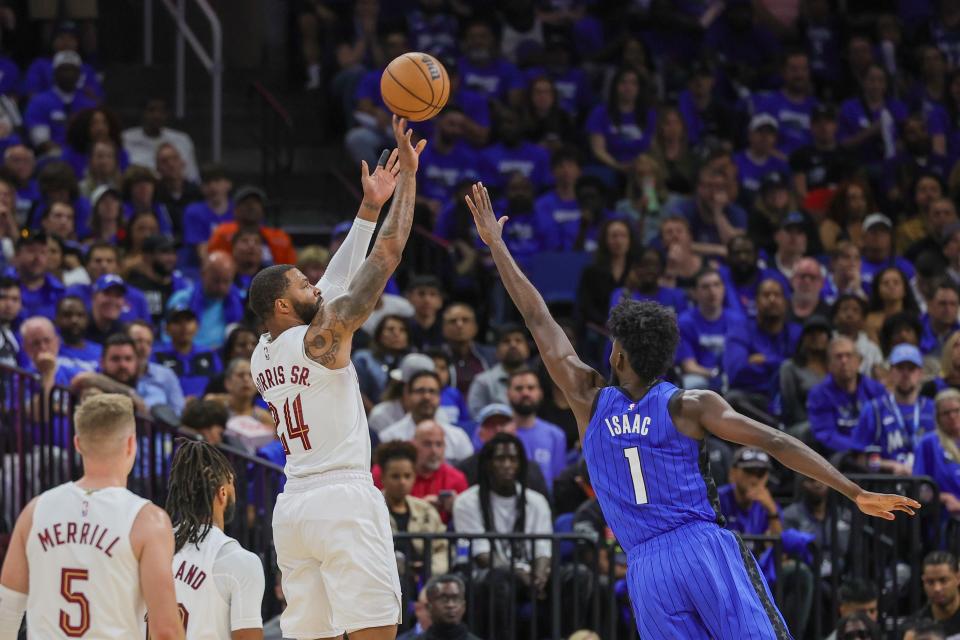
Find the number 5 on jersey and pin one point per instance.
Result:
(636, 473)
(296, 426)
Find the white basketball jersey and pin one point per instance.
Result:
(84, 577)
(206, 615)
(318, 411)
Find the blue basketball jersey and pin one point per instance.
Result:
(649, 478)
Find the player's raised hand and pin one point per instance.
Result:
(883, 505)
(379, 185)
(488, 226)
(408, 153)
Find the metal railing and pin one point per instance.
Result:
(212, 61)
(277, 140)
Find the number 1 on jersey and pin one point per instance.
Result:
(296, 425)
(636, 473)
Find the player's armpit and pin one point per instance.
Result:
(579, 382)
(152, 540)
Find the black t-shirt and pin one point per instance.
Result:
(95, 335)
(822, 168)
(403, 522)
(156, 293)
(951, 626)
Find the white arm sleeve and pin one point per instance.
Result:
(238, 575)
(347, 260)
(12, 606)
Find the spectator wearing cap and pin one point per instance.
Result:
(743, 274)
(154, 379)
(201, 218)
(512, 353)
(714, 218)
(848, 316)
(793, 105)
(512, 154)
(447, 160)
(157, 276)
(436, 481)
(800, 373)
(215, 300)
(106, 217)
(174, 190)
(40, 74)
(143, 142)
(106, 306)
(250, 212)
(822, 163)
(139, 196)
(758, 159)
(941, 319)
(468, 357)
(102, 258)
(745, 502)
(425, 294)
(391, 409)
(39, 289)
(835, 404)
(894, 423)
(624, 125)
(877, 249)
(193, 365)
(47, 112)
(391, 342)
(703, 332)
(72, 320)
(493, 419)
(806, 286)
(755, 351)
(421, 399)
(868, 124)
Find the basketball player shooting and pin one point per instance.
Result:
(90, 552)
(331, 527)
(643, 441)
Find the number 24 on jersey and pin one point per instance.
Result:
(296, 426)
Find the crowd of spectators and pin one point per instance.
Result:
(784, 175)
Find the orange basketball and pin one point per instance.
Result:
(415, 86)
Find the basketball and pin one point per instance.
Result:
(415, 86)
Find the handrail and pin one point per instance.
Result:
(212, 61)
(272, 102)
(277, 141)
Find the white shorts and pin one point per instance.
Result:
(335, 551)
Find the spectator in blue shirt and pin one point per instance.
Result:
(447, 160)
(101, 259)
(529, 235)
(154, 379)
(106, 306)
(193, 365)
(703, 333)
(791, 241)
(574, 94)
(893, 424)
(559, 208)
(484, 69)
(940, 321)
(938, 455)
(877, 250)
(72, 320)
(41, 345)
(40, 74)
(714, 218)
(915, 160)
(742, 275)
(746, 503)
(758, 159)
(201, 218)
(40, 290)
(215, 300)
(48, 111)
(748, 49)
(20, 162)
(834, 405)
(432, 29)
(793, 105)
(625, 125)
(643, 283)
(545, 443)
(756, 349)
(513, 154)
(869, 122)
(474, 105)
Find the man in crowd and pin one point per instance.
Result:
(118, 374)
(545, 443)
(11, 304)
(202, 217)
(469, 357)
(512, 353)
(193, 365)
(834, 405)
(39, 289)
(877, 249)
(941, 583)
(807, 285)
(421, 397)
(425, 294)
(857, 595)
(940, 321)
(160, 379)
(746, 502)
(45, 118)
(175, 191)
(743, 275)
(109, 300)
(447, 604)
(72, 321)
(103, 258)
(42, 348)
(157, 275)
(849, 315)
(250, 212)
(216, 302)
(703, 332)
(144, 142)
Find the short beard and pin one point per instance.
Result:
(526, 410)
(306, 311)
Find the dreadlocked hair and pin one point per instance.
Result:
(197, 472)
(485, 480)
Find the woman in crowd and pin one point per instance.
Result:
(240, 397)
(139, 196)
(103, 168)
(616, 251)
(672, 150)
(106, 217)
(140, 227)
(806, 369)
(938, 454)
(891, 293)
(88, 128)
(544, 122)
(240, 343)
(646, 197)
(624, 126)
(391, 341)
(949, 375)
(852, 202)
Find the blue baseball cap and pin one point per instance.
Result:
(182, 309)
(109, 281)
(495, 409)
(905, 353)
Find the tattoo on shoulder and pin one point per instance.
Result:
(324, 346)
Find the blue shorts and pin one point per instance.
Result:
(701, 581)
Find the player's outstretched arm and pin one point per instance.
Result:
(152, 540)
(15, 576)
(328, 337)
(700, 410)
(377, 189)
(578, 382)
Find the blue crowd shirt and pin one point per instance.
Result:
(746, 339)
(702, 230)
(85, 357)
(531, 160)
(667, 296)
(833, 413)
(546, 445)
(495, 80)
(628, 137)
(473, 103)
(136, 307)
(743, 298)
(571, 84)
(929, 341)
(52, 110)
(159, 385)
(751, 174)
(563, 216)
(193, 369)
(930, 459)
(43, 300)
(895, 428)
(9, 77)
(213, 315)
(442, 171)
(704, 340)
(753, 521)
(854, 117)
(199, 221)
(793, 117)
(39, 77)
(869, 269)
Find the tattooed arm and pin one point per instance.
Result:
(329, 336)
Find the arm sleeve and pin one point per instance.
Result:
(347, 260)
(239, 579)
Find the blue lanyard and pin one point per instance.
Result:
(899, 416)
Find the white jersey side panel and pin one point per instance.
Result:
(205, 613)
(318, 411)
(84, 577)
